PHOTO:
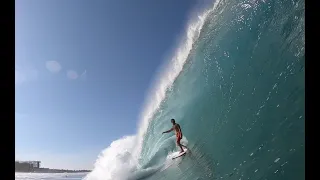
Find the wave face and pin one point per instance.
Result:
(236, 87)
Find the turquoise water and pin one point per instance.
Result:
(238, 97)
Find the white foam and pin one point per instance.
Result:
(115, 162)
(177, 153)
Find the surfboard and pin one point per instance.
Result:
(178, 154)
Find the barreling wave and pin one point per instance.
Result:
(121, 159)
(171, 72)
(235, 84)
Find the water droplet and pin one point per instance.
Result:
(277, 160)
(278, 105)
(284, 163)
(276, 171)
(256, 170)
(274, 86)
(251, 154)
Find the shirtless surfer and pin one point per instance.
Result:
(178, 132)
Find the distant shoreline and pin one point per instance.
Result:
(34, 167)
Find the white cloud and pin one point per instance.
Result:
(53, 66)
(71, 74)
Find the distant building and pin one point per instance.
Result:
(27, 166)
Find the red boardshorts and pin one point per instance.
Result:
(179, 137)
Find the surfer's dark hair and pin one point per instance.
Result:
(173, 120)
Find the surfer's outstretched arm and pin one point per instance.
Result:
(168, 131)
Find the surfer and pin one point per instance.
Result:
(178, 132)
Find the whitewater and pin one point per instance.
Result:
(235, 84)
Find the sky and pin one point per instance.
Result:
(83, 70)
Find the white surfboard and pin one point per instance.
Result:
(178, 154)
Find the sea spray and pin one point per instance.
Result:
(115, 162)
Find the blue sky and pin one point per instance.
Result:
(83, 69)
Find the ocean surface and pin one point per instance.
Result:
(236, 86)
(49, 176)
